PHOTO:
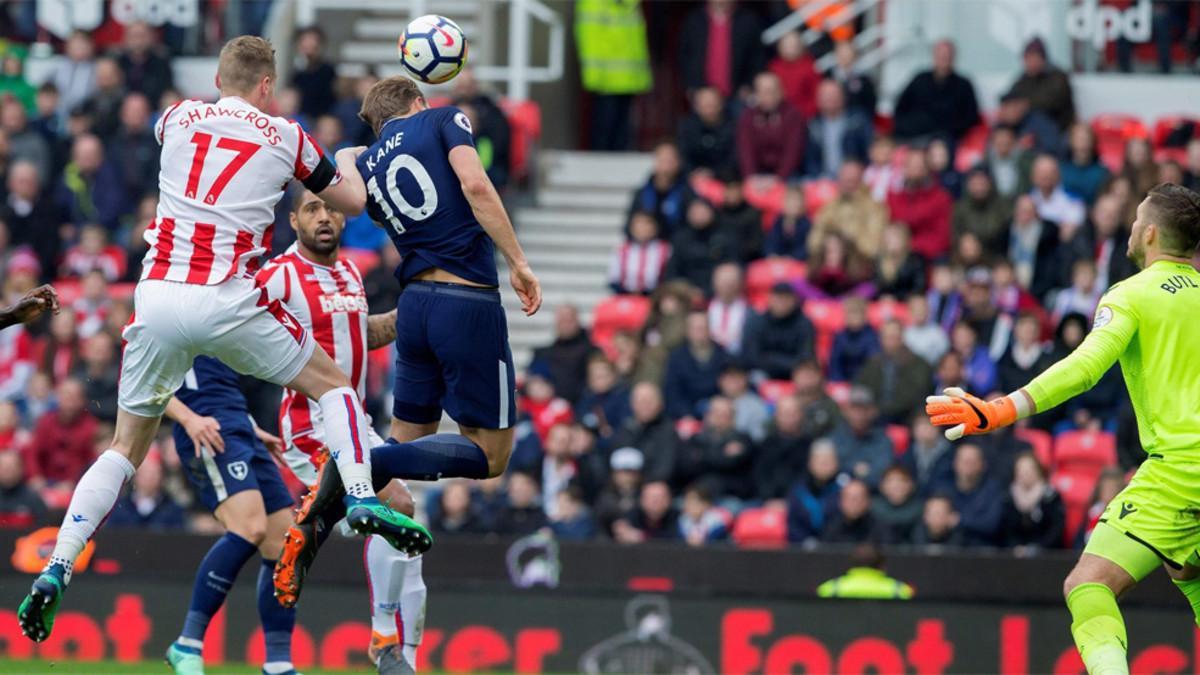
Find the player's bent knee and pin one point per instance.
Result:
(398, 497)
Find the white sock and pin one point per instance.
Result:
(412, 608)
(346, 435)
(91, 503)
(278, 667)
(396, 583)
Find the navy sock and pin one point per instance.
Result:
(429, 458)
(214, 578)
(277, 621)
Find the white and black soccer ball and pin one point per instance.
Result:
(433, 49)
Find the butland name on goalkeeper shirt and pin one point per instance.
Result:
(1151, 323)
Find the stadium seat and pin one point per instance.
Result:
(838, 391)
(525, 121)
(1042, 442)
(1113, 130)
(817, 193)
(364, 260)
(618, 313)
(1164, 125)
(687, 427)
(708, 189)
(761, 275)
(1076, 488)
(760, 528)
(438, 101)
(898, 434)
(1085, 451)
(828, 317)
(882, 310)
(769, 201)
(972, 147)
(773, 390)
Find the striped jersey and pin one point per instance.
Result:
(224, 168)
(331, 304)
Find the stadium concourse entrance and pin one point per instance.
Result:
(532, 605)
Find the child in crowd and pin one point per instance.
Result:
(881, 175)
(1082, 295)
(94, 252)
(789, 233)
(637, 264)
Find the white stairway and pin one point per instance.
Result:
(569, 235)
(378, 24)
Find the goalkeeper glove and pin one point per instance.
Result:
(967, 415)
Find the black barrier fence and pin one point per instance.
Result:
(532, 606)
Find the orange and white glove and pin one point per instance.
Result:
(967, 415)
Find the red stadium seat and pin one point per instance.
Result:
(1090, 451)
(363, 259)
(1042, 442)
(838, 391)
(618, 313)
(761, 275)
(883, 310)
(438, 101)
(898, 434)
(972, 147)
(769, 201)
(1076, 489)
(827, 315)
(819, 192)
(687, 427)
(525, 121)
(773, 390)
(760, 528)
(1164, 125)
(1113, 130)
(709, 189)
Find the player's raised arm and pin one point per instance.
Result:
(348, 195)
(490, 213)
(966, 415)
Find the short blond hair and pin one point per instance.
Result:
(388, 98)
(244, 62)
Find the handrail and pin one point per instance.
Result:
(518, 74)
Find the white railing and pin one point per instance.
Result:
(517, 74)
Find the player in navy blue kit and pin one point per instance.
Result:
(427, 187)
(228, 463)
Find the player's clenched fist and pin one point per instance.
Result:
(967, 415)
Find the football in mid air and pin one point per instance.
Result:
(433, 49)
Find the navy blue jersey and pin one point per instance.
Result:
(211, 389)
(414, 192)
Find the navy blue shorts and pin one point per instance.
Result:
(245, 465)
(452, 353)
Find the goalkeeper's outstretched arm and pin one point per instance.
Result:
(967, 415)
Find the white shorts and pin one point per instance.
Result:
(175, 322)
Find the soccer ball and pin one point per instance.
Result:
(433, 49)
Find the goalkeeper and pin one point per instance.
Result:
(1151, 323)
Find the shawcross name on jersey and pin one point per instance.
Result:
(256, 119)
(343, 302)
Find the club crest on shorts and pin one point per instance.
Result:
(238, 470)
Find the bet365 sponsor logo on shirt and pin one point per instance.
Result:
(343, 302)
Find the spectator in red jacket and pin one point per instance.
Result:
(63, 439)
(94, 252)
(797, 72)
(924, 206)
(770, 135)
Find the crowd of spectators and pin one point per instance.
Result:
(78, 182)
(724, 400)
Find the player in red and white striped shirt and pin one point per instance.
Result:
(224, 167)
(324, 291)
